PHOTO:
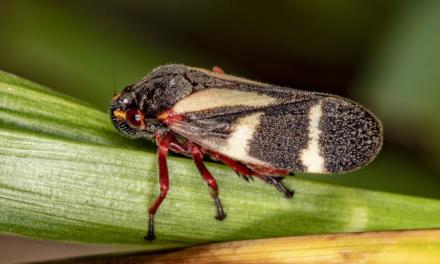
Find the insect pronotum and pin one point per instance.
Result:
(257, 129)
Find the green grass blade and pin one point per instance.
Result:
(66, 174)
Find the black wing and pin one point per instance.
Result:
(281, 128)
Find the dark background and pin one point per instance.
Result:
(383, 54)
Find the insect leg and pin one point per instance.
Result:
(209, 180)
(178, 148)
(240, 169)
(162, 152)
(272, 176)
(276, 181)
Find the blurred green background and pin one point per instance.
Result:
(384, 54)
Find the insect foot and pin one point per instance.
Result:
(276, 181)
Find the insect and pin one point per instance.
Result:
(257, 129)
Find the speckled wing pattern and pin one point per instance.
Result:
(281, 128)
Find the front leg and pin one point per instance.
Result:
(163, 143)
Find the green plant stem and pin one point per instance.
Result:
(67, 175)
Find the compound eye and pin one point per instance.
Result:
(135, 117)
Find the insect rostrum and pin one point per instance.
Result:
(257, 129)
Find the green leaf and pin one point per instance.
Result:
(67, 175)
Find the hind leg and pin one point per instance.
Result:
(273, 177)
(269, 175)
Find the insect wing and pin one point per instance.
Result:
(313, 132)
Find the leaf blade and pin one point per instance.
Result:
(95, 187)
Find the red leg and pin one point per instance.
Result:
(274, 177)
(269, 175)
(268, 171)
(162, 152)
(240, 169)
(178, 148)
(208, 178)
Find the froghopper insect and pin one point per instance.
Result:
(259, 130)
